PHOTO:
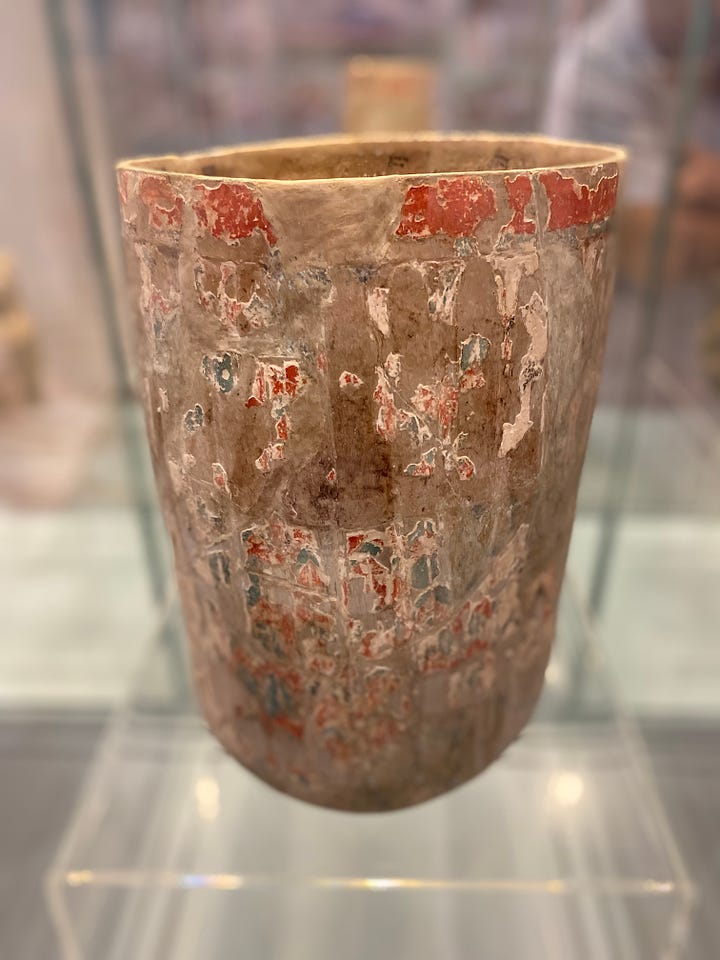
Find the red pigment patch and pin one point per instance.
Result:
(519, 192)
(453, 207)
(165, 208)
(231, 212)
(292, 379)
(573, 204)
(349, 379)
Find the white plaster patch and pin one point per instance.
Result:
(159, 305)
(377, 303)
(393, 366)
(512, 263)
(534, 316)
(177, 476)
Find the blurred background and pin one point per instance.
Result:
(89, 639)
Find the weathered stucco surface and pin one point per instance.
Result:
(368, 402)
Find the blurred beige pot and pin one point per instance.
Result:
(18, 342)
(389, 94)
(369, 371)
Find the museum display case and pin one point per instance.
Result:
(563, 846)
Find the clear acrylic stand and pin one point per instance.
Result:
(561, 849)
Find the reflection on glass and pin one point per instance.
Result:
(207, 798)
(566, 788)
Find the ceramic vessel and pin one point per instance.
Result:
(369, 369)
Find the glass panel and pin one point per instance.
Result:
(175, 848)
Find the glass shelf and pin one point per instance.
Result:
(560, 850)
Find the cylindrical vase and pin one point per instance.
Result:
(369, 368)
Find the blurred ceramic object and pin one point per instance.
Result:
(369, 371)
(389, 95)
(18, 342)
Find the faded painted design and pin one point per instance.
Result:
(394, 583)
(220, 478)
(425, 467)
(219, 564)
(453, 206)
(468, 643)
(386, 421)
(373, 715)
(442, 280)
(473, 351)
(377, 302)
(277, 386)
(312, 281)
(240, 316)
(393, 366)
(159, 305)
(594, 252)
(573, 204)
(429, 415)
(291, 623)
(511, 263)
(164, 206)
(284, 552)
(127, 190)
(534, 317)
